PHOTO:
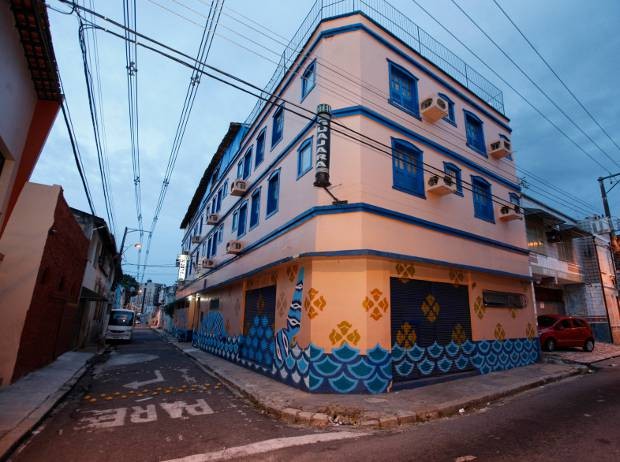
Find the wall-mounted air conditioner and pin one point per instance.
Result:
(234, 247)
(238, 187)
(500, 149)
(213, 219)
(434, 108)
(441, 185)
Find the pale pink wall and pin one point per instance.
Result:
(22, 244)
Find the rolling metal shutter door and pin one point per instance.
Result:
(447, 308)
(258, 325)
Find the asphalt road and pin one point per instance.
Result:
(149, 402)
(182, 411)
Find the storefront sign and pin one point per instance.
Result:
(323, 115)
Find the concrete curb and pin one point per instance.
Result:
(11, 440)
(370, 419)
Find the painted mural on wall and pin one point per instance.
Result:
(345, 369)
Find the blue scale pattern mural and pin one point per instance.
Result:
(485, 356)
(345, 370)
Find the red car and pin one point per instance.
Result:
(557, 331)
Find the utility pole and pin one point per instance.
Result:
(604, 191)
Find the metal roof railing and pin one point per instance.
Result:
(390, 18)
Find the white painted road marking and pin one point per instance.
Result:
(188, 378)
(108, 418)
(135, 385)
(262, 447)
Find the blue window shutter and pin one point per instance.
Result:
(235, 220)
(474, 132)
(214, 245)
(247, 164)
(483, 201)
(260, 149)
(240, 169)
(255, 209)
(408, 174)
(273, 194)
(243, 211)
(278, 126)
(403, 89)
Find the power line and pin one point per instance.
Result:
(325, 63)
(94, 117)
(388, 152)
(533, 82)
(583, 106)
(517, 92)
(190, 96)
(131, 64)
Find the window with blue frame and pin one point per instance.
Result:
(214, 244)
(225, 188)
(260, 148)
(304, 158)
(218, 207)
(235, 220)
(255, 208)
(403, 89)
(483, 199)
(273, 193)
(451, 117)
(515, 199)
(407, 170)
(240, 169)
(247, 164)
(308, 79)
(475, 133)
(208, 254)
(243, 214)
(278, 126)
(450, 169)
(220, 234)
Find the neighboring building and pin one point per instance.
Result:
(29, 95)
(147, 298)
(40, 279)
(573, 269)
(394, 284)
(100, 277)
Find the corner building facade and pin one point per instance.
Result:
(402, 284)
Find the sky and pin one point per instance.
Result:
(579, 39)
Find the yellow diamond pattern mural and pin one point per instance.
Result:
(500, 333)
(530, 331)
(405, 271)
(375, 304)
(291, 272)
(479, 307)
(457, 277)
(314, 303)
(458, 334)
(406, 336)
(430, 308)
(344, 332)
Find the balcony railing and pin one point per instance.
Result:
(384, 14)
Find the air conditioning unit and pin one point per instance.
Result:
(213, 219)
(441, 185)
(238, 187)
(196, 239)
(500, 149)
(434, 108)
(234, 247)
(207, 263)
(510, 212)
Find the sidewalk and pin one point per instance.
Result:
(385, 410)
(24, 403)
(601, 352)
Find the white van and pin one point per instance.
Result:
(120, 326)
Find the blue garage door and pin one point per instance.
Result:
(259, 318)
(430, 321)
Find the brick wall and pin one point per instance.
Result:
(53, 320)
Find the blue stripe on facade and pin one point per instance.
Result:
(361, 253)
(362, 207)
(373, 115)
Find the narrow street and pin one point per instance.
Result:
(147, 401)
